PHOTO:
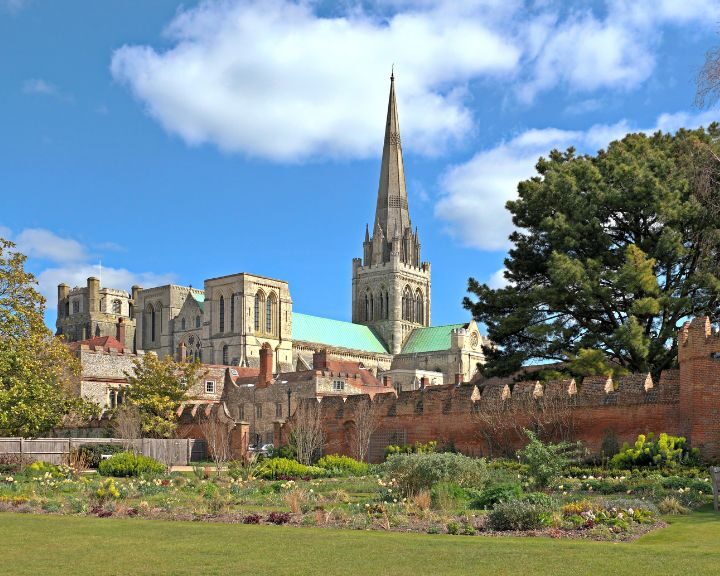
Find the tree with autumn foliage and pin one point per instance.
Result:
(611, 254)
(38, 374)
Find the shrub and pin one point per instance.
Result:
(541, 499)
(129, 464)
(342, 465)
(252, 519)
(94, 452)
(107, 491)
(666, 450)
(278, 518)
(671, 505)
(284, 451)
(281, 468)
(416, 472)
(453, 528)
(447, 496)
(235, 469)
(417, 448)
(516, 515)
(496, 494)
(545, 461)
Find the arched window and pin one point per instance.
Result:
(232, 313)
(149, 324)
(387, 305)
(419, 308)
(269, 314)
(222, 314)
(225, 355)
(367, 308)
(117, 307)
(382, 305)
(372, 307)
(407, 304)
(197, 321)
(259, 307)
(182, 324)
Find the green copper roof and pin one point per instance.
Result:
(335, 333)
(200, 299)
(430, 339)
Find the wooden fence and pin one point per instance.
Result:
(170, 452)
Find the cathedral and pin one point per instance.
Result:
(234, 317)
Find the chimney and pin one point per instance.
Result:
(266, 364)
(458, 378)
(320, 360)
(120, 331)
(182, 352)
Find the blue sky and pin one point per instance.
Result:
(182, 141)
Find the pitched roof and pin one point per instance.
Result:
(430, 339)
(200, 299)
(106, 343)
(335, 333)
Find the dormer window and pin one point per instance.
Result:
(210, 387)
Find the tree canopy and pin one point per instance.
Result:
(157, 388)
(38, 374)
(611, 253)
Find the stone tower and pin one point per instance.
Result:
(391, 285)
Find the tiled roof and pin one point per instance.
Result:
(200, 299)
(335, 333)
(430, 339)
(107, 343)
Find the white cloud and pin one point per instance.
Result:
(77, 275)
(70, 263)
(39, 86)
(276, 80)
(498, 280)
(475, 193)
(45, 245)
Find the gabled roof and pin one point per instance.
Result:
(430, 339)
(335, 333)
(200, 299)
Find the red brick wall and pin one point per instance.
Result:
(683, 402)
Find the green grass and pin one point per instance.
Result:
(37, 544)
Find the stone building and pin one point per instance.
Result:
(234, 317)
(91, 312)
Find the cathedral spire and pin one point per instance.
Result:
(392, 213)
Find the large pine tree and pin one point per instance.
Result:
(610, 255)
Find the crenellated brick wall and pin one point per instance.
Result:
(682, 402)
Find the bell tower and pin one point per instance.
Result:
(391, 285)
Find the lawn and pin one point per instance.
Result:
(58, 545)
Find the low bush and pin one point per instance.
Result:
(278, 518)
(448, 496)
(541, 499)
(671, 505)
(666, 450)
(417, 448)
(129, 464)
(496, 494)
(342, 465)
(545, 461)
(252, 519)
(94, 452)
(284, 468)
(416, 472)
(516, 515)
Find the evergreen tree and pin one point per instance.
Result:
(611, 253)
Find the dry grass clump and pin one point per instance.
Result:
(422, 500)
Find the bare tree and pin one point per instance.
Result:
(216, 431)
(491, 414)
(367, 420)
(127, 424)
(708, 79)
(306, 432)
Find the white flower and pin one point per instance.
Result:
(560, 487)
(631, 511)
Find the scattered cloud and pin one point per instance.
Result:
(274, 79)
(498, 280)
(39, 86)
(66, 260)
(475, 193)
(77, 275)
